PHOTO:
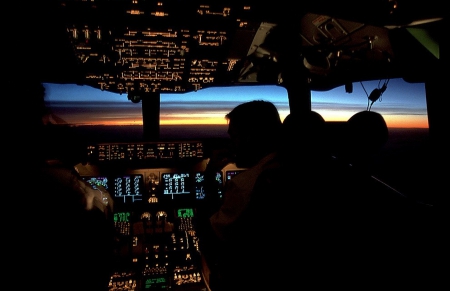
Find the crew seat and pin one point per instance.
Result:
(381, 231)
(304, 138)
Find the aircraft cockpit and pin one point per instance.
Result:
(143, 51)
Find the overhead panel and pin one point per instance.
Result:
(155, 47)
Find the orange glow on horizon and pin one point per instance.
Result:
(216, 119)
(404, 121)
(407, 121)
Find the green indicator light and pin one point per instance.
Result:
(185, 212)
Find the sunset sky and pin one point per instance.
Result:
(402, 104)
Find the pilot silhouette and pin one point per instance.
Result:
(71, 245)
(234, 234)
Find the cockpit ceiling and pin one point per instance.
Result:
(183, 46)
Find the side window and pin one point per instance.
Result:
(404, 159)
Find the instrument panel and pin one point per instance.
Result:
(155, 187)
(142, 151)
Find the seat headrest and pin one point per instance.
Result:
(367, 129)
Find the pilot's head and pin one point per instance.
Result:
(254, 128)
(53, 142)
(33, 94)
